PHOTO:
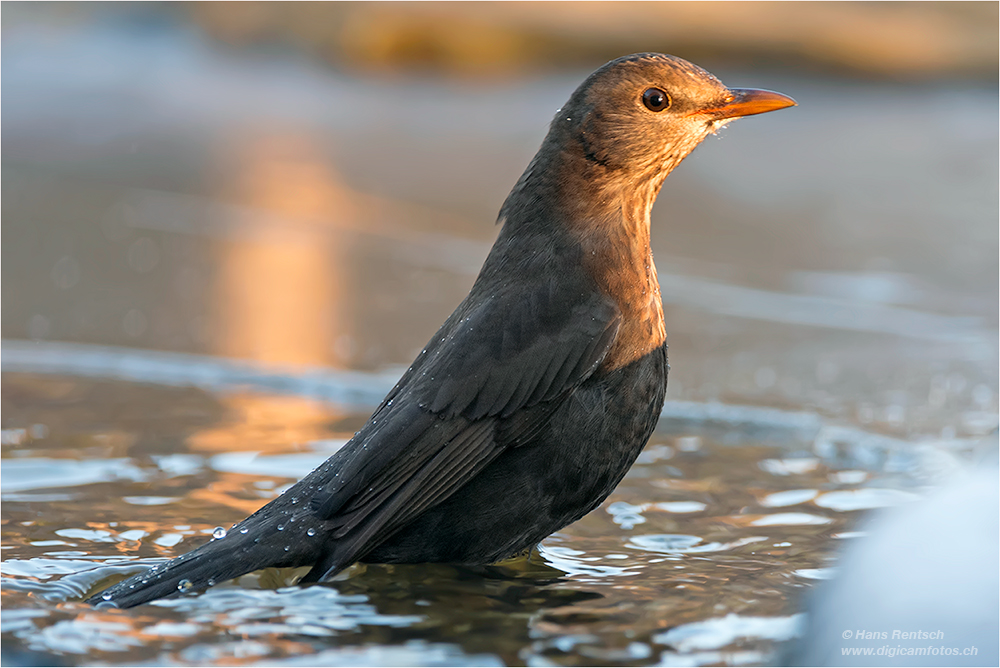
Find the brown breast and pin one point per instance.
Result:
(622, 264)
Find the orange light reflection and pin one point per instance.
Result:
(278, 296)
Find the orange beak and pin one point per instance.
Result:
(747, 102)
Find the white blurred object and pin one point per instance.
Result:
(929, 566)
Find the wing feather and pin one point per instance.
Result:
(488, 380)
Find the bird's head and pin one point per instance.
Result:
(640, 115)
(622, 131)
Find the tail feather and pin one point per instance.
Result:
(214, 562)
(194, 570)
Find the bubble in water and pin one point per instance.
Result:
(107, 597)
(311, 532)
(281, 527)
(287, 547)
(295, 500)
(184, 585)
(244, 530)
(218, 533)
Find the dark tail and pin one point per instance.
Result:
(229, 557)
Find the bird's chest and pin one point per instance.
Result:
(636, 290)
(608, 421)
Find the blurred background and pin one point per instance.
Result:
(315, 184)
(294, 187)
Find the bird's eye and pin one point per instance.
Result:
(655, 99)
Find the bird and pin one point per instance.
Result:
(535, 397)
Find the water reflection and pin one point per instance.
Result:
(711, 574)
(278, 294)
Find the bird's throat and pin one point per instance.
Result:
(617, 254)
(608, 217)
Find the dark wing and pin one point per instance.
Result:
(488, 380)
(516, 350)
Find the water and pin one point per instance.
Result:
(701, 554)
(215, 265)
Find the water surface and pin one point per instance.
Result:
(699, 556)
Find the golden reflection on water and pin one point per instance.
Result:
(268, 425)
(265, 423)
(226, 492)
(279, 292)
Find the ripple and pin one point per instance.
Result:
(253, 463)
(790, 519)
(413, 653)
(172, 629)
(815, 573)
(169, 539)
(573, 562)
(177, 465)
(43, 569)
(83, 636)
(681, 507)
(783, 467)
(20, 620)
(149, 500)
(22, 474)
(65, 579)
(789, 497)
(681, 544)
(848, 477)
(628, 515)
(92, 535)
(292, 608)
(863, 499)
(721, 632)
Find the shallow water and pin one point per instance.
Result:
(700, 555)
(215, 264)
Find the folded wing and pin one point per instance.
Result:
(489, 379)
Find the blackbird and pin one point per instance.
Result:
(537, 394)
